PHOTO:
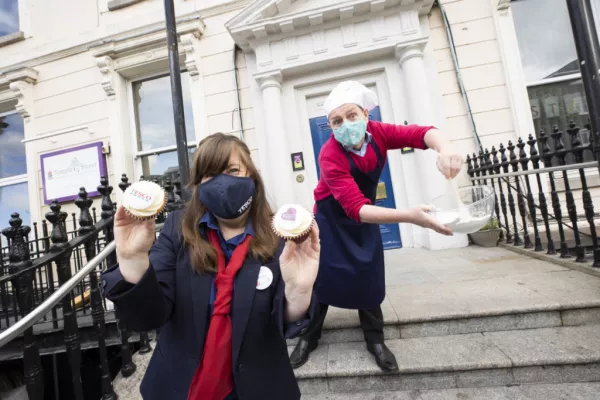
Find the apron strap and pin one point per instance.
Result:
(373, 175)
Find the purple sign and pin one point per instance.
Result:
(65, 171)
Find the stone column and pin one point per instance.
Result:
(279, 175)
(418, 99)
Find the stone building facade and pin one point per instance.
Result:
(75, 72)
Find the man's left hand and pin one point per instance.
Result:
(449, 164)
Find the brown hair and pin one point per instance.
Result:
(212, 158)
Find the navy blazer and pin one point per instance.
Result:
(173, 297)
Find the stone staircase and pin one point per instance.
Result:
(464, 324)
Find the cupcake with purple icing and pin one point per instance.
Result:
(292, 222)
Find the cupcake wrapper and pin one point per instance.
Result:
(298, 238)
(149, 217)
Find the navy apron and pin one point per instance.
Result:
(351, 268)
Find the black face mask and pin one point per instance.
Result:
(227, 196)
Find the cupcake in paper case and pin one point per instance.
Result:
(293, 222)
(144, 200)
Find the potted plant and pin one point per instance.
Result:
(487, 236)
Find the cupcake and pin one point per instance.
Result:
(292, 222)
(144, 200)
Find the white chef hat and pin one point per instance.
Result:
(351, 92)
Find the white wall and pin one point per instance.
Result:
(483, 72)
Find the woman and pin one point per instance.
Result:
(220, 337)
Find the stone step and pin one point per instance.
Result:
(546, 355)
(343, 325)
(571, 391)
(473, 290)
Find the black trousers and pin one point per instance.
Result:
(371, 322)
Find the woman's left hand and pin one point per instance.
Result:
(449, 164)
(299, 263)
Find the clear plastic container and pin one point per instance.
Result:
(469, 211)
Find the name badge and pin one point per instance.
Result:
(265, 278)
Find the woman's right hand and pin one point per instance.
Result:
(420, 216)
(133, 238)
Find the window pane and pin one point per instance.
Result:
(12, 151)
(545, 38)
(558, 104)
(163, 166)
(14, 198)
(9, 16)
(154, 112)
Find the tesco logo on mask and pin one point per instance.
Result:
(245, 206)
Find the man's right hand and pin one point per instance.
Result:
(133, 238)
(420, 216)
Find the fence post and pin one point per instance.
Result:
(524, 161)
(511, 200)
(496, 166)
(588, 204)
(86, 226)
(547, 156)
(535, 160)
(490, 167)
(60, 244)
(561, 155)
(514, 162)
(127, 365)
(19, 259)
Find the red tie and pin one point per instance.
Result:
(213, 379)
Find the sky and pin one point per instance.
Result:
(9, 17)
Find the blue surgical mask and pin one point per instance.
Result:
(227, 196)
(350, 133)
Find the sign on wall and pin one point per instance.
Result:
(65, 171)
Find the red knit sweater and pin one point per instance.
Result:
(335, 168)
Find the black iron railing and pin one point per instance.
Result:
(525, 218)
(49, 285)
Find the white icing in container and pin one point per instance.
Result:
(474, 212)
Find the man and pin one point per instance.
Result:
(351, 270)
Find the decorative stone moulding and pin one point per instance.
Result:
(283, 17)
(17, 84)
(293, 34)
(134, 49)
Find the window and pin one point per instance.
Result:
(9, 17)
(155, 147)
(13, 170)
(549, 57)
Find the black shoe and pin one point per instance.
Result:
(299, 356)
(384, 358)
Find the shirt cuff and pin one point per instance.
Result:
(301, 327)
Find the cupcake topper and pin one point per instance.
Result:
(289, 215)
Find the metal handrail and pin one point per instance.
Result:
(35, 315)
(590, 164)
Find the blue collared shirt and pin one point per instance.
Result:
(228, 246)
(363, 149)
(209, 221)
